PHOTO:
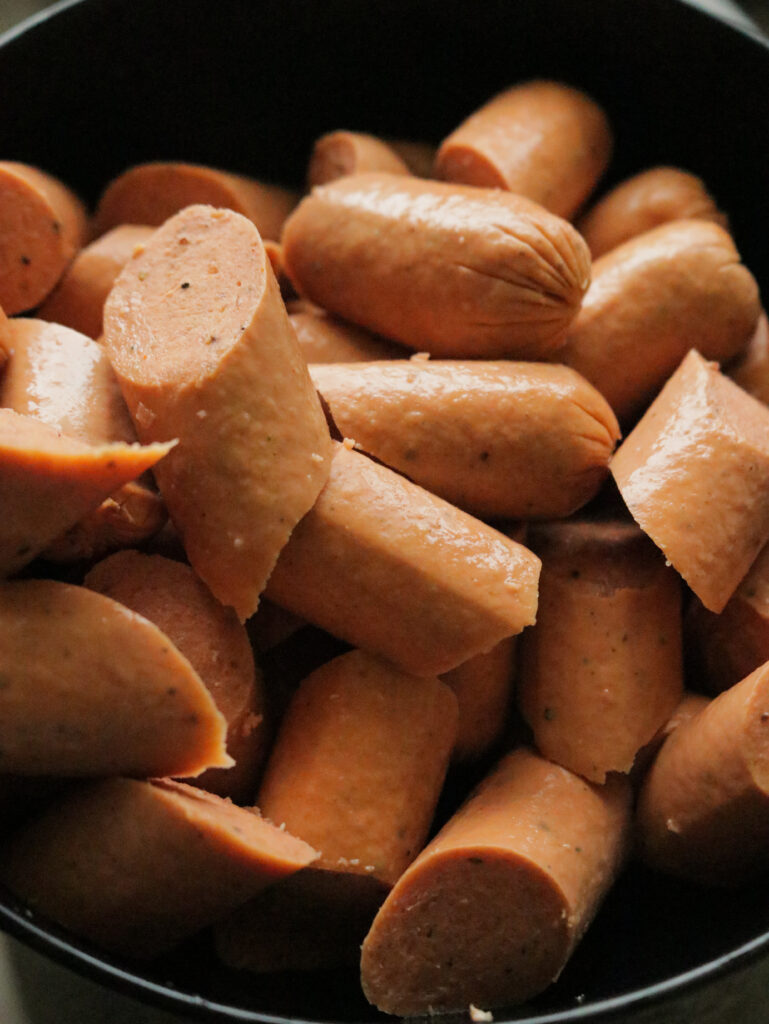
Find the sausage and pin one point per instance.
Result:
(49, 482)
(490, 911)
(151, 193)
(314, 920)
(5, 342)
(77, 301)
(652, 299)
(601, 672)
(274, 252)
(690, 705)
(136, 867)
(419, 157)
(388, 567)
(695, 475)
(327, 339)
(542, 140)
(340, 153)
(358, 764)
(170, 595)
(42, 226)
(456, 271)
(144, 710)
(271, 626)
(703, 812)
(643, 202)
(751, 371)
(729, 646)
(498, 439)
(483, 688)
(201, 343)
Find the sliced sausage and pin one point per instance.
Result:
(540, 139)
(172, 597)
(483, 687)
(452, 270)
(677, 287)
(695, 475)
(491, 910)
(498, 439)
(341, 153)
(388, 567)
(200, 340)
(136, 867)
(42, 226)
(151, 193)
(601, 672)
(90, 688)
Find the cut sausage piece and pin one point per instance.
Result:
(200, 340)
(483, 688)
(491, 910)
(49, 482)
(690, 705)
(452, 270)
(540, 139)
(42, 226)
(677, 287)
(90, 688)
(358, 764)
(151, 193)
(78, 299)
(601, 672)
(388, 567)
(136, 867)
(214, 642)
(274, 251)
(752, 371)
(703, 813)
(695, 475)
(341, 153)
(505, 440)
(644, 202)
(327, 339)
(729, 646)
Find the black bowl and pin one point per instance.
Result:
(97, 85)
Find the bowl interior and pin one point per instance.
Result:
(247, 86)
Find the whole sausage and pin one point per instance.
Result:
(340, 153)
(751, 371)
(483, 688)
(644, 202)
(201, 343)
(601, 672)
(453, 270)
(78, 299)
(42, 226)
(144, 710)
(151, 193)
(695, 475)
(677, 287)
(491, 910)
(542, 140)
(136, 867)
(171, 596)
(498, 439)
(327, 339)
(387, 566)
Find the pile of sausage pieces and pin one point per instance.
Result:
(379, 410)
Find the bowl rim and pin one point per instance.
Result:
(55, 943)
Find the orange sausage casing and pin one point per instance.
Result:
(214, 642)
(78, 299)
(483, 688)
(151, 193)
(507, 440)
(200, 340)
(388, 567)
(491, 910)
(42, 226)
(542, 140)
(341, 153)
(695, 475)
(677, 287)
(452, 270)
(644, 202)
(138, 866)
(751, 371)
(601, 672)
(703, 812)
(327, 339)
